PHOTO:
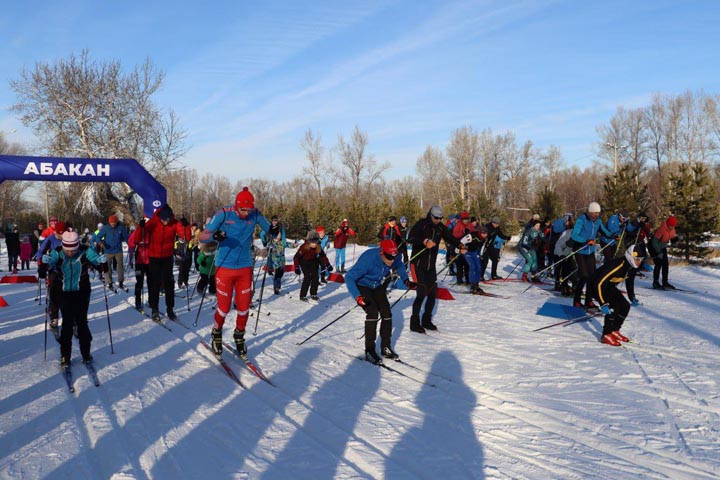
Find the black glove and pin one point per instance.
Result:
(410, 284)
(329, 268)
(142, 223)
(219, 236)
(297, 270)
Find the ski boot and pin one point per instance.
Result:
(610, 339)
(239, 337)
(64, 362)
(216, 342)
(372, 357)
(619, 336)
(171, 314)
(524, 277)
(388, 353)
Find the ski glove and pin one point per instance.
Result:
(297, 270)
(635, 302)
(46, 259)
(329, 268)
(590, 242)
(102, 258)
(219, 235)
(410, 284)
(361, 301)
(605, 309)
(142, 223)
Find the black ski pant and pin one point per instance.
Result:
(141, 271)
(426, 279)
(311, 277)
(462, 268)
(74, 314)
(619, 307)
(661, 263)
(377, 306)
(160, 275)
(53, 294)
(586, 269)
(205, 282)
(491, 254)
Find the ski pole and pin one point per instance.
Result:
(563, 259)
(429, 290)
(207, 287)
(513, 270)
(262, 290)
(187, 294)
(326, 326)
(46, 325)
(582, 318)
(107, 312)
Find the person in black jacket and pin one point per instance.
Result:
(424, 238)
(491, 248)
(402, 246)
(603, 286)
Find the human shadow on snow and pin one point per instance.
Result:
(445, 444)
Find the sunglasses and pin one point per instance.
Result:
(437, 218)
(245, 210)
(388, 256)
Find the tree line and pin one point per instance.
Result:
(658, 158)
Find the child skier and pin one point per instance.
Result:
(25, 253)
(206, 267)
(309, 258)
(72, 271)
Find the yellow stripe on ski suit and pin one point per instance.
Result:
(614, 280)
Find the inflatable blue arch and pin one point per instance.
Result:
(54, 169)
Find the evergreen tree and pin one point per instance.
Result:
(692, 198)
(625, 191)
(548, 204)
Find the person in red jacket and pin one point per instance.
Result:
(462, 267)
(658, 249)
(309, 258)
(340, 242)
(139, 242)
(162, 229)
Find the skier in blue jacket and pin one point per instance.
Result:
(233, 227)
(585, 232)
(365, 282)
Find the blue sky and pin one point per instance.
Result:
(249, 78)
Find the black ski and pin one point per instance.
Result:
(390, 369)
(664, 289)
(92, 373)
(67, 374)
(587, 316)
(250, 365)
(409, 365)
(228, 370)
(485, 294)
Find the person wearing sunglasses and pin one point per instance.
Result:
(233, 227)
(365, 282)
(424, 237)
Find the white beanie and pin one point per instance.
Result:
(594, 207)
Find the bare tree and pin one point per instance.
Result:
(436, 182)
(80, 108)
(11, 192)
(360, 170)
(314, 151)
(463, 160)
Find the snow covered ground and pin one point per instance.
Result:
(506, 402)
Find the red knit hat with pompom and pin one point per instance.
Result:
(244, 199)
(672, 221)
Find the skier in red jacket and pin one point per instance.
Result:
(162, 229)
(340, 242)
